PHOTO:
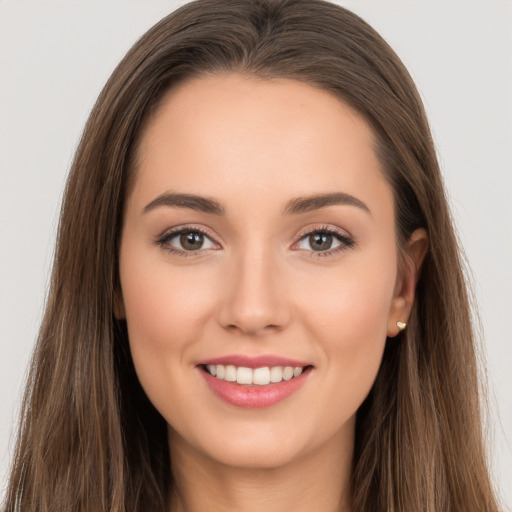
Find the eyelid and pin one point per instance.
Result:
(344, 237)
(346, 240)
(163, 239)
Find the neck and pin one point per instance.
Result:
(319, 480)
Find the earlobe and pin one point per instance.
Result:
(401, 326)
(401, 306)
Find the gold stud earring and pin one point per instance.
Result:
(401, 325)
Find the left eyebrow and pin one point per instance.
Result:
(190, 201)
(314, 202)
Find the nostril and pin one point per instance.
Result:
(253, 328)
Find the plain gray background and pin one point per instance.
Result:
(55, 57)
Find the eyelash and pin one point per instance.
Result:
(346, 241)
(163, 240)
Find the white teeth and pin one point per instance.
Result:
(230, 373)
(287, 373)
(244, 375)
(276, 374)
(258, 376)
(261, 376)
(221, 372)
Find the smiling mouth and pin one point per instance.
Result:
(254, 376)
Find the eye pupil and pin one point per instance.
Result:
(320, 241)
(191, 241)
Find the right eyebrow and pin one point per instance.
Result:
(317, 201)
(190, 201)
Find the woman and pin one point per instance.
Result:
(256, 275)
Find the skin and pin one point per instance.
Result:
(258, 287)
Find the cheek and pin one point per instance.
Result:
(165, 313)
(354, 331)
(353, 304)
(349, 321)
(160, 301)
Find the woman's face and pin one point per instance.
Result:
(259, 233)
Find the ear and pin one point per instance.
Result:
(405, 288)
(119, 312)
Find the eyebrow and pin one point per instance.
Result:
(314, 202)
(295, 206)
(190, 201)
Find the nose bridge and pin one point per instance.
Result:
(254, 299)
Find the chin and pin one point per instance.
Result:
(255, 453)
(262, 444)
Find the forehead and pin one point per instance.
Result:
(280, 137)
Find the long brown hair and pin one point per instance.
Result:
(89, 439)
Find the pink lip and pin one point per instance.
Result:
(254, 362)
(254, 397)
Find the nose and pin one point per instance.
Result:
(254, 299)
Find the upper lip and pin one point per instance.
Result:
(254, 361)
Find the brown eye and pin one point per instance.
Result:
(191, 241)
(320, 241)
(324, 241)
(187, 241)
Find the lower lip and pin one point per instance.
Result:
(254, 397)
